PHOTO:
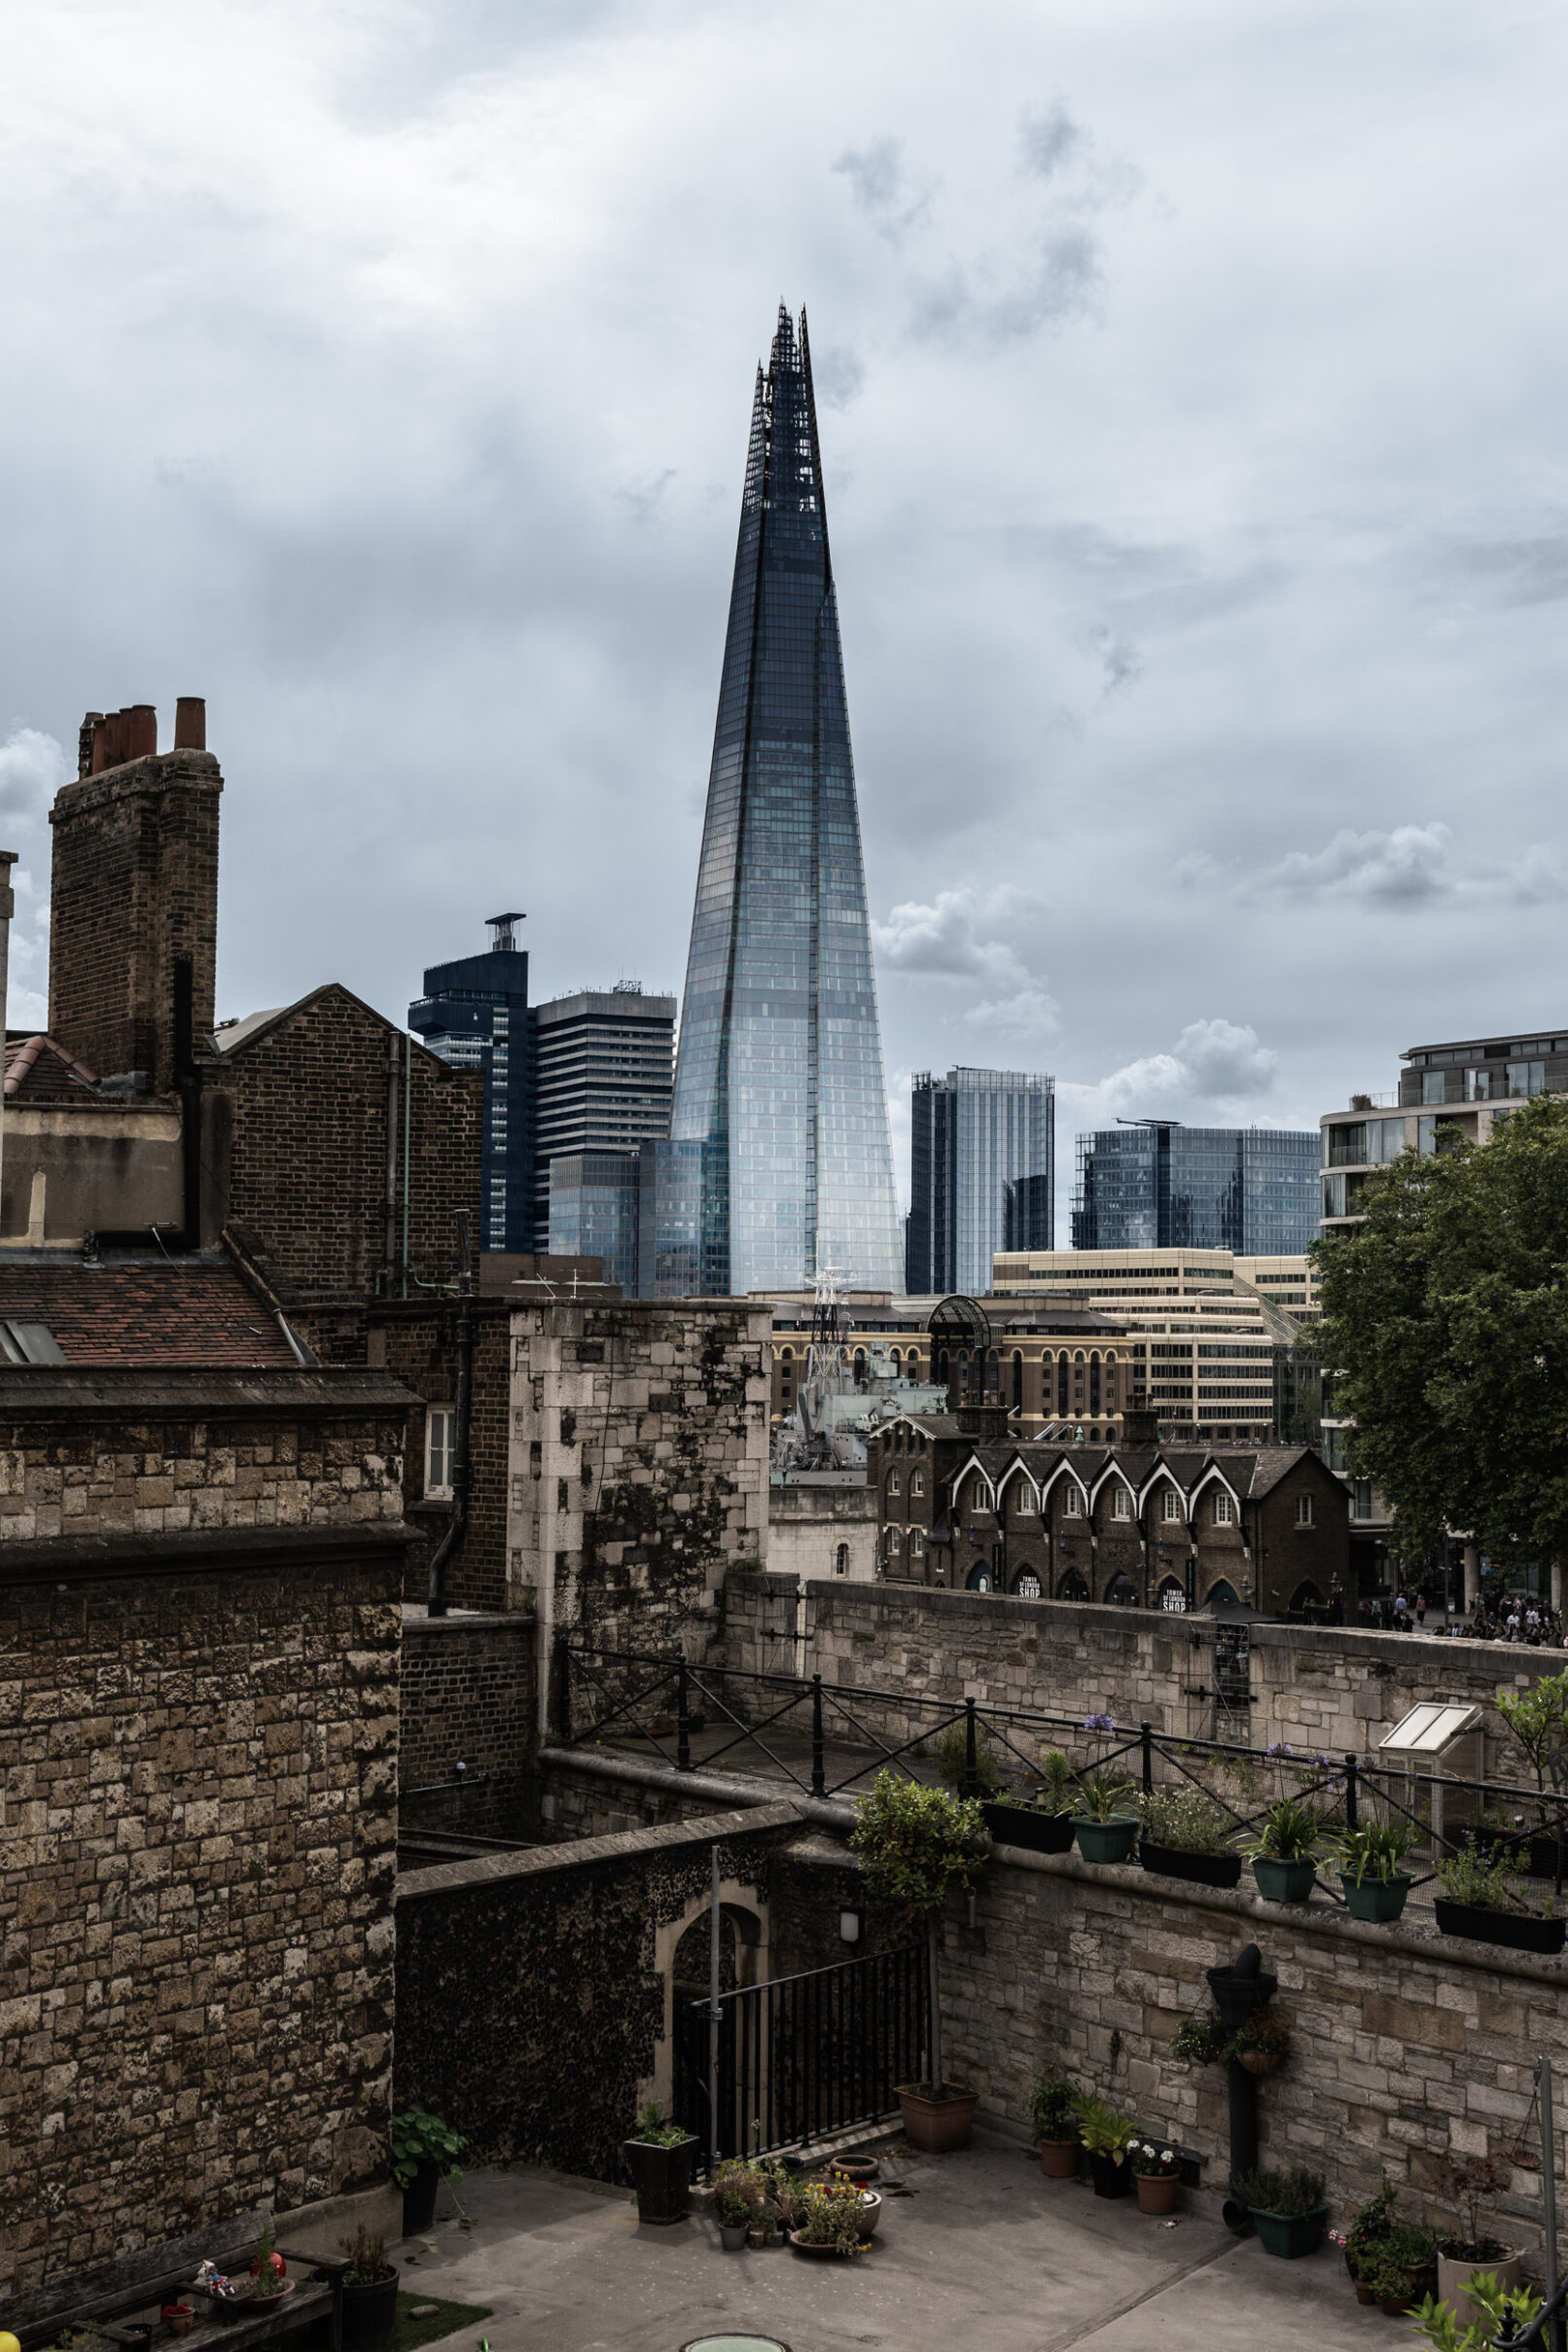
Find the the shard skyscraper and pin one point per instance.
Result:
(780, 1071)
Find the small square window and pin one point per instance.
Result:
(441, 1424)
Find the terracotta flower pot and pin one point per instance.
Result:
(937, 2126)
(1363, 2293)
(1156, 2194)
(1058, 2160)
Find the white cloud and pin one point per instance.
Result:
(947, 935)
(1419, 866)
(1215, 1063)
(32, 769)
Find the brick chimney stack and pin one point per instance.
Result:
(135, 884)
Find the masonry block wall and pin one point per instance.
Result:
(808, 1527)
(638, 1465)
(1318, 1688)
(1405, 2045)
(319, 1116)
(134, 883)
(468, 1694)
(199, 1661)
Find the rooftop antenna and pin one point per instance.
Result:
(502, 941)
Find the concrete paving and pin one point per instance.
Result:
(983, 2252)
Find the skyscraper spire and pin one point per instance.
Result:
(780, 1071)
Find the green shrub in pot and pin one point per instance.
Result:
(1283, 1850)
(1054, 2108)
(1369, 1859)
(1287, 2207)
(1186, 1819)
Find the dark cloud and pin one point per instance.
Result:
(1049, 139)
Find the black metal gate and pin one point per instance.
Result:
(805, 2056)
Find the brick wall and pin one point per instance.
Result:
(468, 1693)
(308, 1166)
(134, 883)
(1318, 1688)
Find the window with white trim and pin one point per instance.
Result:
(1121, 1505)
(1075, 1507)
(918, 1481)
(1025, 1503)
(894, 1485)
(440, 1429)
(895, 1542)
(1171, 1504)
(917, 1544)
(1304, 1510)
(1225, 1510)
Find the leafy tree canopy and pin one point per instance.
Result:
(914, 1842)
(1446, 1322)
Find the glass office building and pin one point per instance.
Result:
(475, 1014)
(981, 1146)
(780, 1065)
(594, 1202)
(1157, 1185)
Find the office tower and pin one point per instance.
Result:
(475, 1014)
(780, 1070)
(603, 1076)
(1153, 1184)
(980, 1160)
(593, 1208)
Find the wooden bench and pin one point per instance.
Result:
(135, 2287)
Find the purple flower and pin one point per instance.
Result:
(1099, 1723)
(1279, 1747)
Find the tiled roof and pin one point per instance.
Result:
(191, 1313)
(38, 1070)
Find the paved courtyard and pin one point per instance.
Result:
(982, 2255)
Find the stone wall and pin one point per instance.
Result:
(199, 1765)
(808, 1526)
(468, 1694)
(534, 1990)
(1318, 1688)
(1405, 2044)
(638, 1466)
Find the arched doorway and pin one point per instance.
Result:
(1307, 1599)
(1027, 1585)
(981, 1578)
(1173, 1596)
(1072, 1586)
(1122, 1592)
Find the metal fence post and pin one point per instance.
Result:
(1148, 1760)
(1351, 1768)
(819, 1776)
(563, 1688)
(971, 1751)
(683, 1724)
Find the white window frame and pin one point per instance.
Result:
(895, 1544)
(1225, 1509)
(1026, 1500)
(1075, 1504)
(1121, 1504)
(1170, 1507)
(894, 1483)
(441, 1434)
(918, 1481)
(1304, 1510)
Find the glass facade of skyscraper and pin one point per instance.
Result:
(1159, 1186)
(780, 1068)
(981, 1146)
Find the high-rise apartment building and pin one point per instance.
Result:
(475, 1014)
(1153, 1184)
(604, 1071)
(981, 1144)
(780, 1071)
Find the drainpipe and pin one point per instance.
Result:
(389, 1251)
(8, 907)
(457, 1525)
(1238, 1991)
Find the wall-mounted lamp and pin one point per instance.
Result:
(849, 1927)
(460, 1769)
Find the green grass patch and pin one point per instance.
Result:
(408, 2332)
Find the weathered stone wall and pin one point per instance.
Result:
(808, 1525)
(1318, 1688)
(198, 1772)
(468, 1694)
(534, 1989)
(1404, 2044)
(638, 1466)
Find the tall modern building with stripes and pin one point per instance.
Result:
(779, 1077)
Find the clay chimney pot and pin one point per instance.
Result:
(190, 722)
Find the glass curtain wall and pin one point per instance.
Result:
(780, 1064)
(1158, 1185)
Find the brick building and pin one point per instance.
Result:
(1152, 1526)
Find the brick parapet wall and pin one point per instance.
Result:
(1318, 1688)
(468, 1693)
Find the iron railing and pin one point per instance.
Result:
(671, 1698)
(804, 2056)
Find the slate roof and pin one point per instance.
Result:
(1252, 1470)
(38, 1070)
(192, 1311)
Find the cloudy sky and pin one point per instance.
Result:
(1191, 380)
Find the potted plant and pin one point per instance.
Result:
(739, 2195)
(1287, 2207)
(829, 2222)
(1106, 2134)
(1369, 1857)
(1414, 2249)
(1185, 1834)
(1045, 1826)
(1199, 2041)
(1283, 1852)
(423, 2148)
(1387, 2285)
(1371, 2228)
(1104, 1829)
(1155, 2173)
(914, 1845)
(234, 2298)
(1054, 2113)
(1478, 1901)
(1463, 2254)
(659, 2156)
(1495, 2305)
(1260, 2043)
(370, 2289)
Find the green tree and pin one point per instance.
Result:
(1445, 1321)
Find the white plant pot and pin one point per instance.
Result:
(1453, 2278)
